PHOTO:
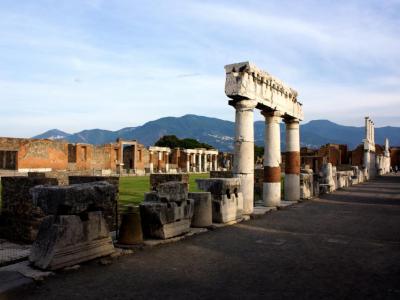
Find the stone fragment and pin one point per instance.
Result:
(202, 216)
(227, 202)
(76, 199)
(162, 208)
(156, 179)
(68, 240)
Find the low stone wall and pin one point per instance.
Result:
(20, 218)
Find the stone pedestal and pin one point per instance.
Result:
(202, 216)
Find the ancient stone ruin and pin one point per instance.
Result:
(227, 200)
(20, 218)
(249, 88)
(167, 211)
(74, 230)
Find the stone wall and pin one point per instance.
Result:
(20, 219)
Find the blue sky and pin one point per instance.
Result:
(82, 64)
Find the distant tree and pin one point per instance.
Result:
(258, 152)
(172, 141)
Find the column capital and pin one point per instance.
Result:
(246, 104)
(291, 120)
(270, 114)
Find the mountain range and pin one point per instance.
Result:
(220, 133)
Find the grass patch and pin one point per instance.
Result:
(132, 189)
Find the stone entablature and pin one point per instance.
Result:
(246, 81)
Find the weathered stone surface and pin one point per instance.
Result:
(202, 216)
(156, 215)
(67, 240)
(156, 179)
(227, 209)
(219, 186)
(114, 180)
(130, 231)
(173, 191)
(227, 201)
(306, 185)
(20, 218)
(166, 205)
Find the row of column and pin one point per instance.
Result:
(202, 164)
(243, 167)
(162, 155)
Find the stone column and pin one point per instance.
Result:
(272, 159)
(166, 162)
(243, 166)
(215, 157)
(151, 166)
(159, 161)
(187, 162)
(200, 166)
(193, 155)
(292, 161)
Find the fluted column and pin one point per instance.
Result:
(243, 166)
(292, 161)
(272, 159)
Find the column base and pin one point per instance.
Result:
(272, 193)
(292, 187)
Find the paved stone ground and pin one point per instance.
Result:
(343, 246)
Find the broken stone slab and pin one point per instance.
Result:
(74, 199)
(173, 191)
(219, 186)
(156, 179)
(68, 240)
(165, 212)
(169, 230)
(202, 216)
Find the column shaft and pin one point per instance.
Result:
(272, 160)
(243, 166)
(292, 161)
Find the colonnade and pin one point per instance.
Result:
(243, 166)
(201, 160)
(249, 87)
(162, 156)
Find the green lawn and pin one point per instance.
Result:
(132, 189)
